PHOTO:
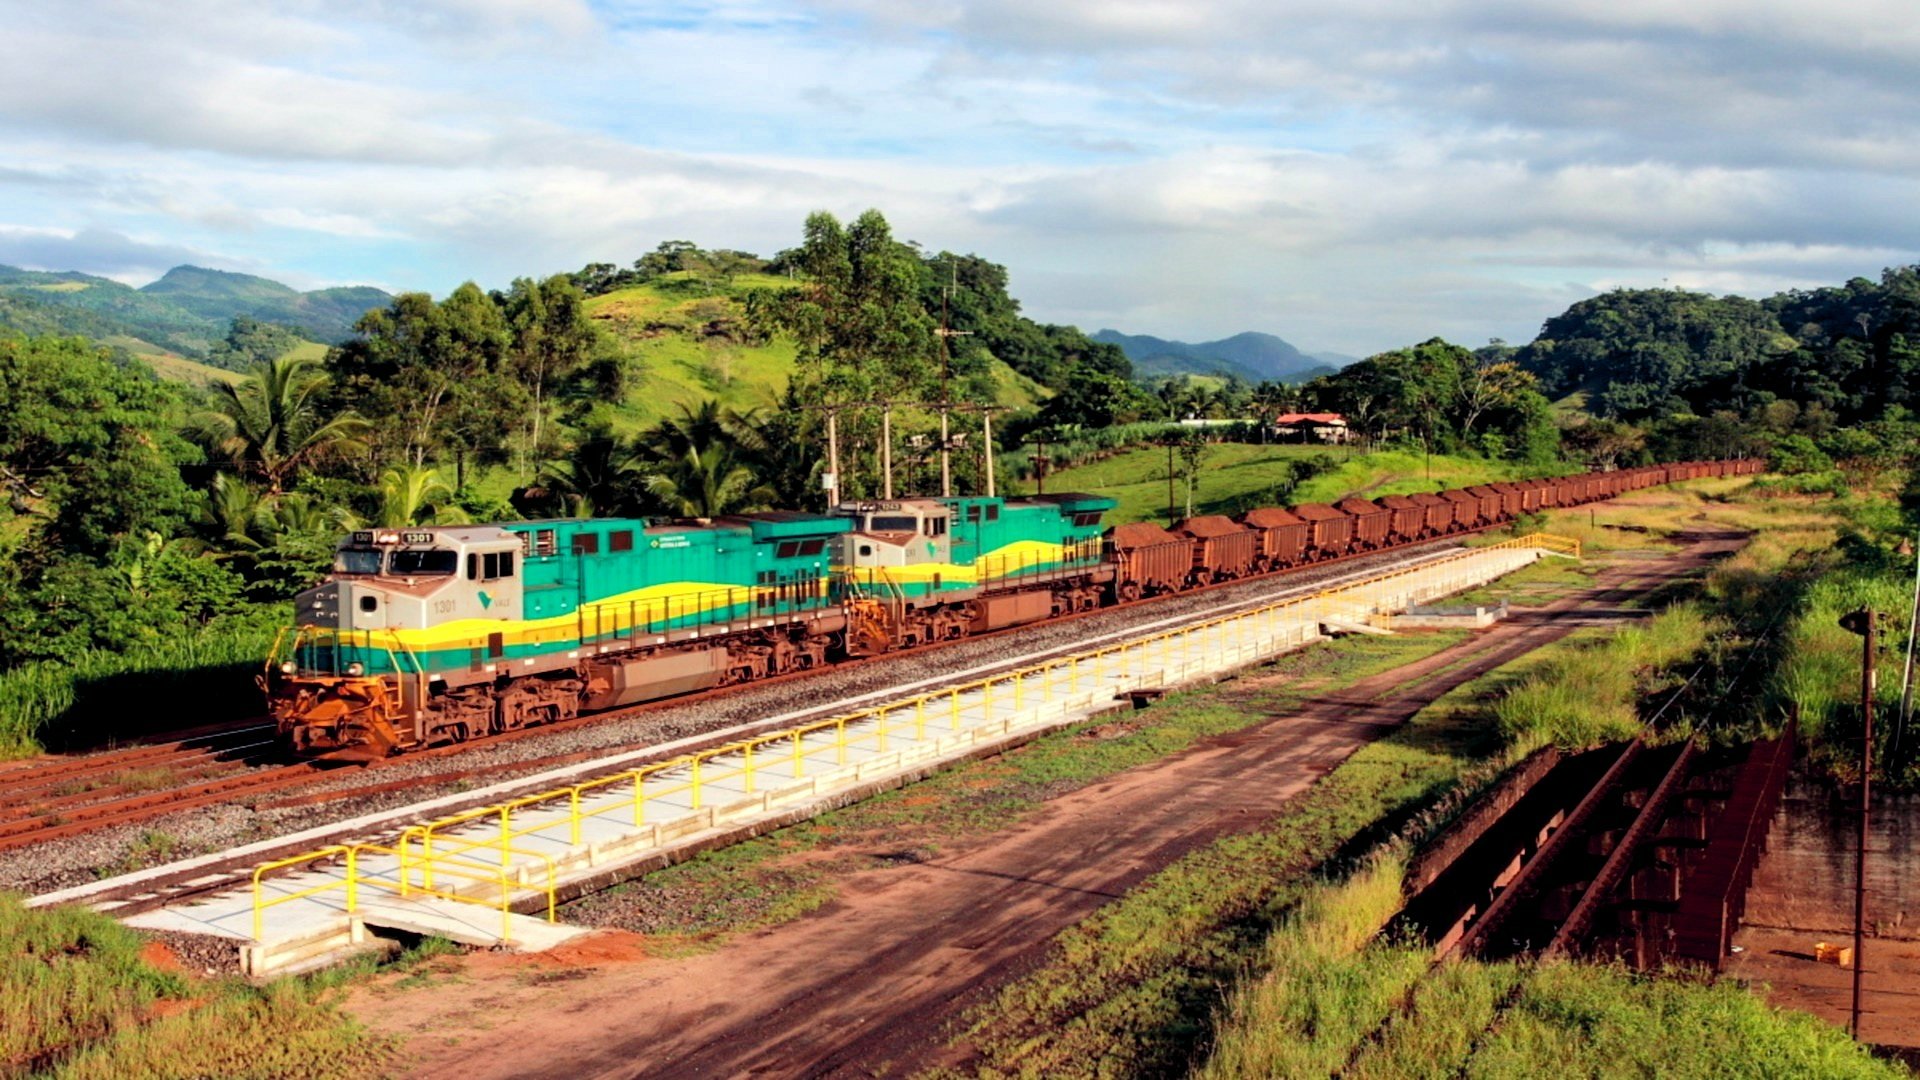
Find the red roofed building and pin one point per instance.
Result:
(1315, 427)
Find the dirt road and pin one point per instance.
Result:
(870, 983)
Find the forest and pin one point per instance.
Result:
(152, 531)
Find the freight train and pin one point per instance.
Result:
(430, 636)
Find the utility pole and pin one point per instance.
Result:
(1864, 622)
(833, 459)
(1040, 466)
(986, 433)
(1170, 505)
(946, 380)
(886, 450)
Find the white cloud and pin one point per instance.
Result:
(1350, 174)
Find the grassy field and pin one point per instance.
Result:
(83, 997)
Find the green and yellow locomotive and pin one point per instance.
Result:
(438, 635)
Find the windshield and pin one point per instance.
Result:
(893, 523)
(408, 563)
(356, 562)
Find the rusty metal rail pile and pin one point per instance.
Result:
(518, 855)
(1637, 851)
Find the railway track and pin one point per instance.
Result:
(52, 799)
(150, 889)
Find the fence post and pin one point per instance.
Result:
(746, 755)
(639, 795)
(799, 769)
(696, 782)
(573, 814)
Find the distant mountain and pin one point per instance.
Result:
(325, 315)
(185, 312)
(1334, 360)
(1251, 356)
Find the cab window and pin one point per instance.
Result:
(356, 561)
(409, 562)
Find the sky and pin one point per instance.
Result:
(1353, 175)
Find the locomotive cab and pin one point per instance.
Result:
(345, 662)
(413, 579)
(891, 536)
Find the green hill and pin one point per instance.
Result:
(186, 313)
(691, 337)
(325, 315)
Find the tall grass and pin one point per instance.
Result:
(98, 694)
(1819, 675)
(79, 998)
(68, 975)
(1590, 694)
(284, 1030)
(1587, 1020)
(1328, 982)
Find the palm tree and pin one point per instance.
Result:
(415, 495)
(696, 467)
(600, 477)
(273, 423)
(1269, 400)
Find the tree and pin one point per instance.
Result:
(1267, 401)
(694, 467)
(600, 477)
(277, 422)
(413, 361)
(415, 495)
(552, 340)
(250, 343)
(87, 449)
(860, 331)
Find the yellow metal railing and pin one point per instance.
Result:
(429, 852)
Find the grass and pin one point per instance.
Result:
(1402, 472)
(67, 976)
(82, 700)
(1590, 691)
(1328, 981)
(1232, 477)
(84, 997)
(1588, 1020)
(788, 873)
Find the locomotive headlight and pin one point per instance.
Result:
(289, 668)
(356, 668)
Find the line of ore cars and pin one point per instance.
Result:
(430, 636)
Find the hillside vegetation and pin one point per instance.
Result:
(186, 314)
(691, 341)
